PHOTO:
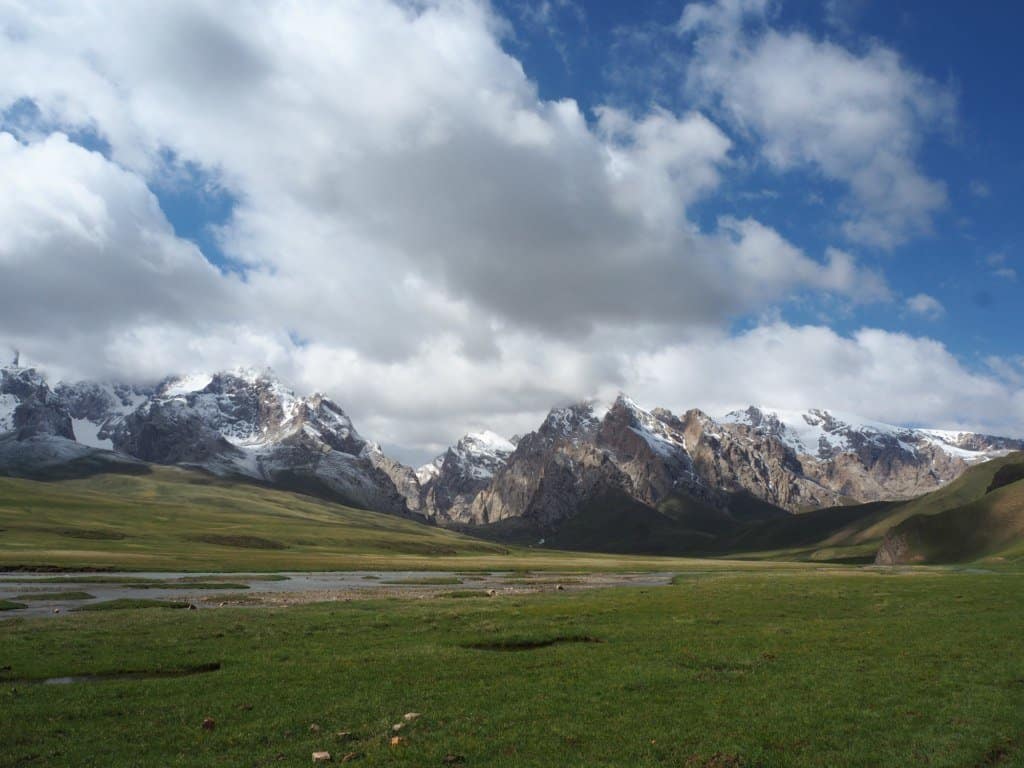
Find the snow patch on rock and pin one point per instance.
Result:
(87, 433)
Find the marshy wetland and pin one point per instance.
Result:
(31, 594)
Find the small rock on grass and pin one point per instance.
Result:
(410, 716)
(321, 757)
(397, 740)
(209, 724)
(314, 728)
(344, 735)
(348, 757)
(397, 727)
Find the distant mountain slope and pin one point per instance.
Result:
(691, 481)
(450, 482)
(736, 471)
(237, 423)
(989, 524)
(861, 460)
(863, 532)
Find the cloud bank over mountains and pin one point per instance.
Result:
(414, 230)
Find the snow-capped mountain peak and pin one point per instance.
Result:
(823, 433)
(477, 455)
(486, 442)
(651, 427)
(451, 481)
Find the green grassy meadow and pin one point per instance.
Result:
(760, 662)
(777, 668)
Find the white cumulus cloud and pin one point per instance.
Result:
(856, 118)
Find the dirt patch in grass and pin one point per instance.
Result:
(191, 585)
(222, 601)
(137, 674)
(47, 568)
(529, 644)
(429, 581)
(717, 760)
(92, 534)
(81, 580)
(245, 542)
(54, 596)
(126, 604)
(1002, 754)
(240, 577)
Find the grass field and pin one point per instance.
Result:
(774, 668)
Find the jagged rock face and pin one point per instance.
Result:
(170, 432)
(29, 408)
(792, 461)
(401, 477)
(37, 439)
(742, 458)
(99, 403)
(575, 457)
(896, 550)
(544, 476)
(650, 449)
(830, 458)
(248, 424)
(239, 423)
(450, 483)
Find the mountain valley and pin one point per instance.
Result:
(617, 479)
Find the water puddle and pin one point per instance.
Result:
(530, 645)
(47, 594)
(153, 674)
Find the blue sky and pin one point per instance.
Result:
(452, 215)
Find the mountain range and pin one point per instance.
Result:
(618, 477)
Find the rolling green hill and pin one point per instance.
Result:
(855, 533)
(180, 519)
(177, 519)
(990, 527)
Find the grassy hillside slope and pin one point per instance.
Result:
(854, 533)
(992, 526)
(176, 519)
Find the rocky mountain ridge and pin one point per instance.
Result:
(239, 423)
(706, 472)
(449, 484)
